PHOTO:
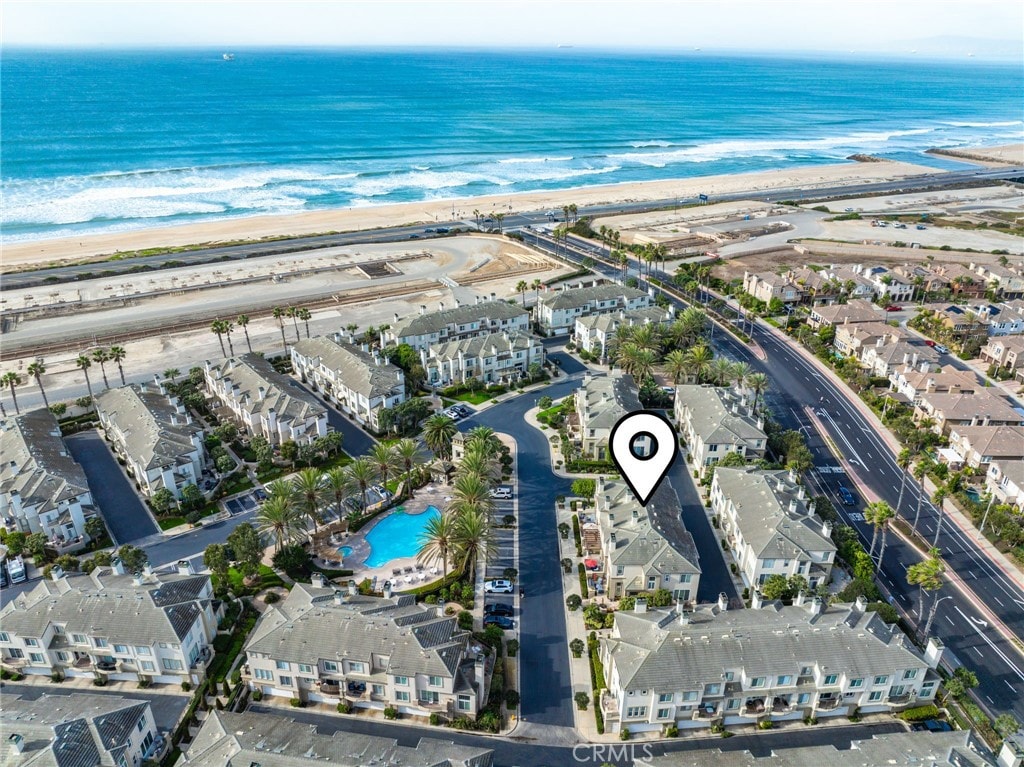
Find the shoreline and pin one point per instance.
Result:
(63, 250)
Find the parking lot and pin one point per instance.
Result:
(243, 503)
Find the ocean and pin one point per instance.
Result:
(107, 141)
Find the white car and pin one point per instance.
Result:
(941, 349)
(498, 587)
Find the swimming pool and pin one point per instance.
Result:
(397, 536)
(345, 551)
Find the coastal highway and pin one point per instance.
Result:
(513, 220)
(962, 621)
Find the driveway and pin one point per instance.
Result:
(166, 708)
(126, 517)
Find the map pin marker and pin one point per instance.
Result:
(643, 445)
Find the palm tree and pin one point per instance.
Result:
(305, 316)
(438, 431)
(279, 316)
(719, 370)
(700, 358)
(536, 285)
(677, 365)
(84, 363)
(337, 487)
(12, 380)
(407, 457)
(171, 374)
(477, 463)
(217, 327)
(102, 356)
(117, 355)
(309, 491)
(920, 470)
(361, 474)
(37, 370)
(646, 337)
(476, 215)
(928, 577)
(939, 499)
(638, 362)
(903, 461)
(279, 520)
(228, 328)
(383, 459)
(437, 541)
(521, 287)
(472, 490)
(758, 382)
(242, 320)
(739, 373)
(474, 537)
(499, 217)
(878, 515)
(293, 312)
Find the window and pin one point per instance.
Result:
(283, 665)
(757, 681)
(651, 582)
(910, 673)
(785, 679)
(378, 689)
(17, 652)
(264, 674)
(428, 696)
(733, 704)
(357, 667)
(63, 656)
(687, 696)
(4, 636)
(330, 665)
(102, 643)
(148, 665)
(401, 696)
(881, 679)
(463, 703)
(728, 676)
(768, 564)
(434, 681)
(402, 680)
(875, 695)
(141, 724)
(665, 697)
(927, 689)
(803, 698)
(664, 713)
(305, 668)
(712, 689)
(30, 642)
(634, 712)
(284, 681)
(620, 570)
(121, 649)
(163, 645)
(140, 650)
(36, 657)
(712, 448)
(172, 665)
(806, 671)
(855, 683)
(831, 678)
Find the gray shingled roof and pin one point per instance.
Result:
(108, 605)
(352, 366)
(610, 321)
(144, 416)
(57, 731)
(269, 740)
(901, 749)
(434, 322)
(250, 372)
(763, 515)
(309, 625)
(573, 297)
(653, 650)
(712, 416)
(608, 398)
(481, 346)
(35, 462)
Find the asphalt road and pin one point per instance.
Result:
(517, 752)
(127, 519)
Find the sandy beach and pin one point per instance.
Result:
(54, 251)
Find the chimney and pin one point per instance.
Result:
(1011, 755)
(723, 601)
(396, 316)
(756, 600)
(423, 309)
(117, 566)
(185, 567)
(318, 580)
(352, 588)
(261, 392)
(387, 589)
(861, 605)
(801, 493)
(147, 569)
(492, 296)
(826, 528)
(800, 598)
(760, 424)
(137, 579)
(16, 743)
(817, 606)
(640, 606)
(792, 476)
(339, 597)
(611, 537)
(56, 573)
(440, 306)
(792, 505)
(933, 652)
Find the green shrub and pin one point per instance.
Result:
(582, 700)
(577, 647)
(344, 707)
(58, 677)
(465, 620)
(765, 724)
(257, 695)
(390, 712)
(295, 703)
(186, 686)
(810, 721)
(919, 713)
(582, 570)
(512, 647)
(435, 719)
(144, 682)
(671, 730)
(99, 681)
(511, 698)
(624, 733)
(573, 602)
(271, 597)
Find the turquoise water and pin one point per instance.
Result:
(115, 140)
(345, 551)
(397, 536)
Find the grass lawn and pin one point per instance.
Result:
(473, 398)
(545, 416)
(168, 522)
(237, 484)
(268, 579)
(274, 472)
(341, 459)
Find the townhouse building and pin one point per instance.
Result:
(557, 312)
(598, 405)
(595, 333)
(1005, 480)
(263, 402)
(770, 526)
(888, 283)
(716, 421)
(926, 280)
(154, 435)
(113, 624)
(1006, 353)
(42, 487)
(715, 665)
(960, 321)
(849, 313)
(960, 748)
(359, 381)
(767, 286)
(913, 382)
(981, 408)
(495, 358)
(978, 446)
(325, 645)
(853, 339)
(278, 741)
(886, 356)
(1001, 319)
(79, 729)
(963, 281)
(642, 549)
(1007, 280)
(816, 285)
(460, 321)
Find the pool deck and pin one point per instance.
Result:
(404, 572)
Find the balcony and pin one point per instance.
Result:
(706, 712)
(781, 706)
(609, 705)
(330, 687)
(106, 666)
(82, 662)
(827, 704)
(16, 662)
(898, 700)
(753, 708)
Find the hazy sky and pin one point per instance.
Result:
(893, 25)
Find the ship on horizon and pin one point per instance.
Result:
(228, 56)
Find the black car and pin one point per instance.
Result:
(932, 725)
(500, 621)
(499, 608)
(462, 410)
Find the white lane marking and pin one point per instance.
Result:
(949, 619)
(1010, 686)
(998, 652)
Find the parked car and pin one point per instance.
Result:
(921, 227)
(893, 308)
(502, 491)
(929, 342)
(499, 608)
(846, 495)
(941, 349)
(932, 725)
(462, 410)
(429, 230)
(500, 586)
(500, 621)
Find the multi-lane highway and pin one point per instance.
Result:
(964, 618)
